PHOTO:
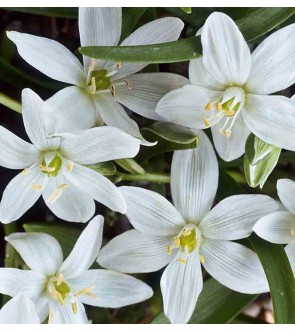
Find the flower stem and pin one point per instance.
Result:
(10, 103)
(146, 177)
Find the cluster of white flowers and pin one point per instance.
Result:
(85, 124)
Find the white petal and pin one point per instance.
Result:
(181, 284)
(273, 63)
(99, 27)
(14, 282)
(19, 196)
(42, 306)
(277, 227)
(69, 110)
(194, 180)
(286, 192)
(226, 55)
(198, 75)
(234, 217)
(85, 250)
(158, 31)
(97, 186)
(72, 205)
(234, 266)
(113, 114)
(272, 119)
(135, 252)
(63, 314)
(32, 106)
(49, 56)
(19, 310)
(111, 289)
(147, 89)
(290, 251)
(99, 144)
(151, 213)
(15, 153)
(186, 106)
(233, 147)
(41, 252)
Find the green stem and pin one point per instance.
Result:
(146, 177)
(10, 103)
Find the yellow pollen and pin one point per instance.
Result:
(186, 233)
(36, 187)
(206, 122)
(181, 260)
(93, 85)
(26, 171)
(208, 107)
(55, 294)
(113, 90)
(293, 232)
(74, 308)
(169, 250)
(176, 242)
(202, 259)
(218, 107)
(228, 133)
(70, 166)
(63, 186)
(229, 112)
(47, 169)
(128, 84)
(57, 193)
(60, 279)
(87, 291)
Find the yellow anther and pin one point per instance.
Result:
(63, 186)
(74, 307)
(93, 84)
(218, 107)
(208, 107)
(229, 112)
(47, 169)
(70, 166)
(176, 242)
(206, 122)
(113, 90)
(91, 64)
(128, 84)
(202, 259)
(57, 193)
(169, 250)
(293, 232)
(181, 260)
(87, 291)
(36, 187)
(186, 233)
(55, 294)
(60, 279)
(26, 171)
(221, 131)
(228, 133)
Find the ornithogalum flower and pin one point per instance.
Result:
(101, 86)
(230, 89)
(59, 288)
(279, 227)
(52, 167)
(190, 234)
(19, 310)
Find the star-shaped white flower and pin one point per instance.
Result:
(279, 227)
(53, 167)
(19, 310)
(190, 234)
(59, 288)
(230, 89)
(101, 86)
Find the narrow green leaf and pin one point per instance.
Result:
(216, 305)
(10, 103)
(187, 10)
(130, 18)
(67, 12)
(254, 25)
(146, 177)
(130, 165)
(280, 278)
(106, 168)
(65, 234)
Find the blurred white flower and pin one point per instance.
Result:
(230, 89)
(190, 234)
(59, 288)
(52, 167)
(101, 86)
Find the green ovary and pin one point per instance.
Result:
(63, 289)
(102, 82)
(188, 239)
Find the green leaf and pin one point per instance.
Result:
(216, 305)
(187, 10)
(10, 103)
(66, 12)
(280, 278)
(106, 168)
(130, 18)
(130, 165)
(65, 234)
(254, 25)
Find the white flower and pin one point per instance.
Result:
(279, 227)
(189, 234)
(59, 288)
(101, 86)
(52, 167)
(230, 87)
(19, 310)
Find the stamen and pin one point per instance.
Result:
(118, 65)
(91, 64)
(293, 232)
(169, 250)
(26, 171)
(57, 193)
(128, 84)
(93, 84)
(176, 242)
(111, 73)
(74, 308)
(36, 187)
(186, 233)
(47, 169)
(181, 260)
(228, 132)
(55, 294)
(113, 90)
(202, 259)
(206, 122)
(218, 106)
(60, 279)
(70, 166)
(208, 107)
(87, 291)
(229, 112)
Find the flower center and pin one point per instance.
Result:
(228, 106)
(186, 241)
(53, 167)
